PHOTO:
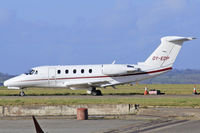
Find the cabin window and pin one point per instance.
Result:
(59, 71)
(90, 70)
(66, 71)
(36, 72)
(82, 70)
(74, 71)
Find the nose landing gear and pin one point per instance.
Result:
(21, 93)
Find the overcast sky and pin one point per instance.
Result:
(64, 32)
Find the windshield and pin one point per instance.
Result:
(30, 72)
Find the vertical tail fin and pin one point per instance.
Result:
(167, 51)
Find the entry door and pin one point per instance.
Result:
(52, 77)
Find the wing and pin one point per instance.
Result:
(85, 85)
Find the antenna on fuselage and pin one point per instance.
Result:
(113, 62)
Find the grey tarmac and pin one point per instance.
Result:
(139, 124)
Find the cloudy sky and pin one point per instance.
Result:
(63, 32)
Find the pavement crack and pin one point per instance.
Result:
(143, 127)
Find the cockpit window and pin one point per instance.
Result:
(30, 72)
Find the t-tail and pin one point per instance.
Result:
(165, 55)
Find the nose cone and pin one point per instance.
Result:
(13, 82)
(6, 83)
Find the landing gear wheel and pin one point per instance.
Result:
(99, 93)
(21, 93)
(96, 93)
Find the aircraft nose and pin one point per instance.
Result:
(10, 82)
(6, 83)
(13, 82)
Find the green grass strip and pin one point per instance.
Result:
(164, 101)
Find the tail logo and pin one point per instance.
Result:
(161, 58)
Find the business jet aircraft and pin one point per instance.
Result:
(91, 76)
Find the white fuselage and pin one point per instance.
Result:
(80, 76)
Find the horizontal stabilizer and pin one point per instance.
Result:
(182, 39)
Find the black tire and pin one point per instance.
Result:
(94, 93)
(99, 93)
(21, 93)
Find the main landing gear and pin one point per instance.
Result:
(94, 92)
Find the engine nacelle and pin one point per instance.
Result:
(117, 69)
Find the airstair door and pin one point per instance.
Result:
(52, 77)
